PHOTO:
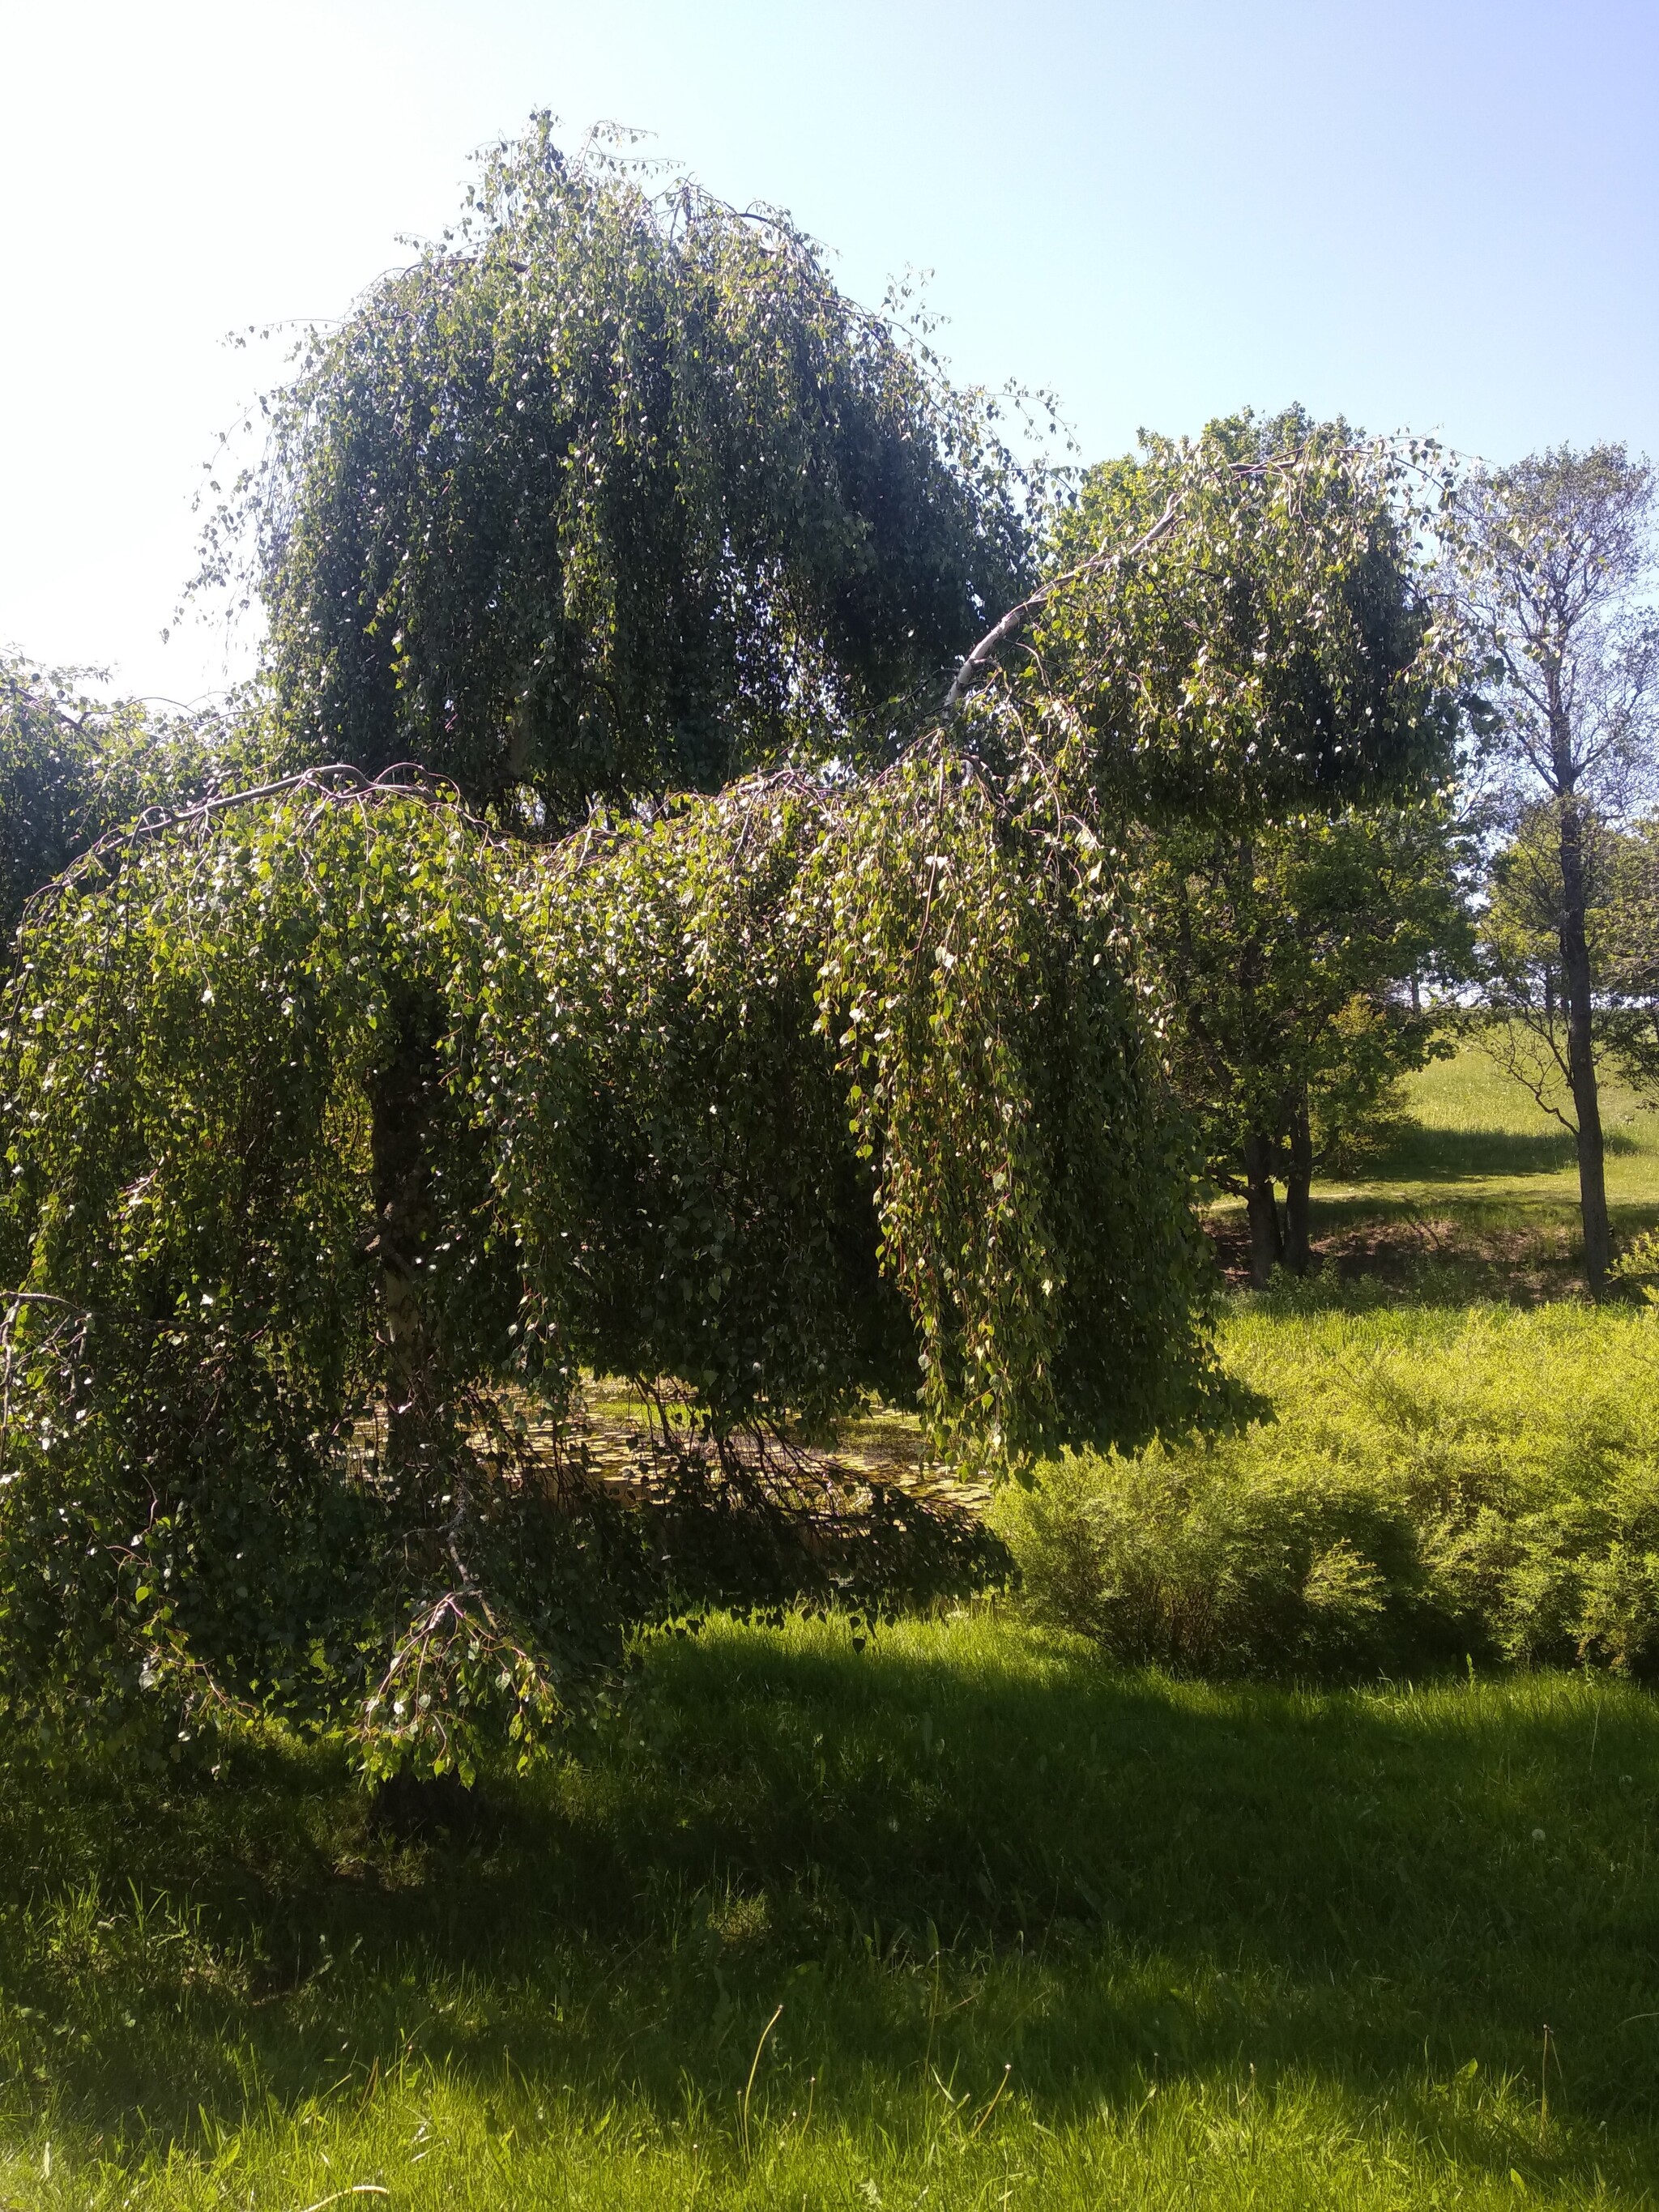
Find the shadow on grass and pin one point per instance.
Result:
(1417, 1154)
(1372, 1250)
(963, 1848)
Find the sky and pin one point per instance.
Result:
(1442, 217)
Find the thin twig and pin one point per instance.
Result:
(748, 2089)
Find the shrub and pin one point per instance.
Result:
(1430, 1486)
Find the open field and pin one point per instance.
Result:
(1481, 1181)
(1044, 1931)
(1479, 1144)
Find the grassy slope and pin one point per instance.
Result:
(1482, 1172)
(1236, 1945)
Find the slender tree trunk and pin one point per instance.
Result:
(1576, 989)
(1298, 1187)
(1261, 1208)
(1266, 1243)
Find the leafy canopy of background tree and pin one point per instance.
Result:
(1520, 944)
(73, 765)
(1236, 626)
(612, 492)
(1629, 965)
(1554, 561)
(1235, 646)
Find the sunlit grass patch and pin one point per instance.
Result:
(1475, 1136)
(1473, 1192)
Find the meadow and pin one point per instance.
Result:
(1479, 1180)
(970, 1912)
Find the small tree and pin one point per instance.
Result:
(1552, 558)
(1288, 955)
(1234, 645)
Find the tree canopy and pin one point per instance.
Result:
(613, 491)
(819, 1085)
(1239, 624)
(750, 989)
(73, 765)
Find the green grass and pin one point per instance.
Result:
(1232, 1946)
(1045, 1932)
(1479, 1180)
(1478, 1140)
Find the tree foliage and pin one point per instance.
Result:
(379, 1121)
(1235, 647)
(73, 766)
(1631, 962)
(1239, 626)
(348, 1126)
(1523, 970)
(1554, 561)
(613, 491)
(1292, 954)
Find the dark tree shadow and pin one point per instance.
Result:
(1461, 1154)
(1415, 1153)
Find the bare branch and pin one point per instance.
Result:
(1017, 616)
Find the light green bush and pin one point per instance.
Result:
(1430, 1485)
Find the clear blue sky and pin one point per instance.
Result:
(1442, 216)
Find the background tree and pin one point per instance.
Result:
(1289, 955)
(1631, 963)
(1554, 558)
(613, 491)
(73, 765)
(1521, 942)
(1234, 646)
(1237, 626)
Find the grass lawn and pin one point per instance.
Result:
(1215, 1946)
(1479, 1141)
(1482, 1184)
(1043, 1932)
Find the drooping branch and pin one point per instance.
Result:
(1018, 615)
(334, 783)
